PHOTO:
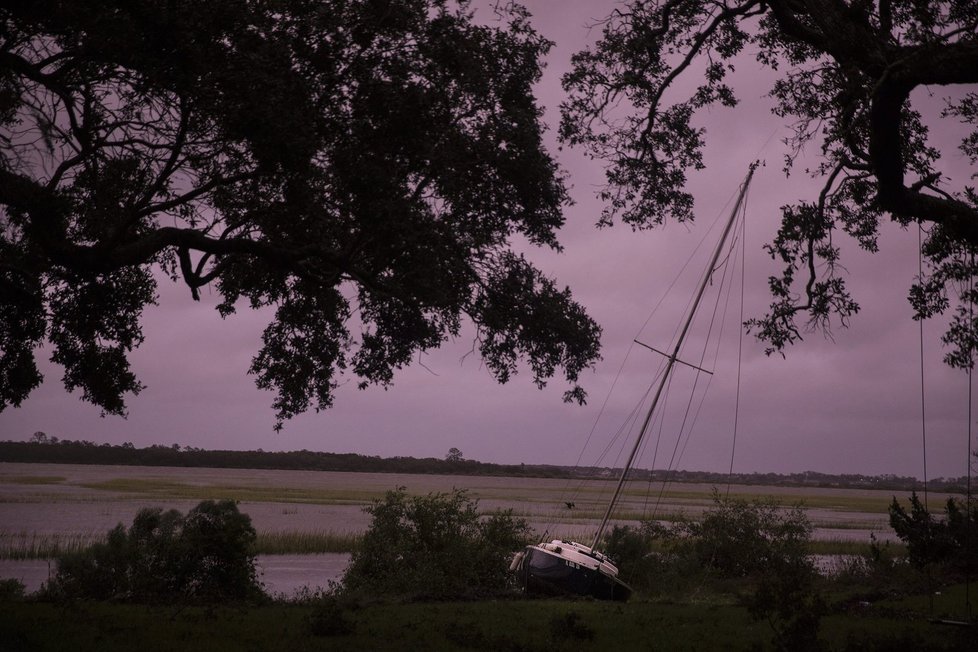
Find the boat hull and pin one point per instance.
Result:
(547, 573)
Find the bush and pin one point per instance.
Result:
(434, 546)
(758, 547)
(204, 556)
(330, 617)
(952, 540)
(743, 539)
(11, 590)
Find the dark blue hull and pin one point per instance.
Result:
(549, 574)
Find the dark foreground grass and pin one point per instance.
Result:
(529, 625)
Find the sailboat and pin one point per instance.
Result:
(567, 567)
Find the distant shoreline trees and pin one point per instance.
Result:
(67, 451)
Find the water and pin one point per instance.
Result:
(31, 572)
(287, 574)
(281, 574)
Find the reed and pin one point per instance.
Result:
(24, 545)
(300, 542)
(850, 547)
(32, 479)
(169, 490)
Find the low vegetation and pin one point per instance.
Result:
(742, 573)
(492, 625)
(433, 547)
(164, 556)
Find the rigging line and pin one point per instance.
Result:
(627, 426)
(740, 342)
(567, 487)
(659, 421)
(629, 422)
(726, 293)
(655, 308)
(670, 468)
(662, 420)
(706, 346)
(923, 415)
(717, 221)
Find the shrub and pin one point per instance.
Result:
(742, 539)
(952, 540)
(434, 546)
(165, 556)
(329, 617)
(757, 545)
(11, 590)
(653, 558)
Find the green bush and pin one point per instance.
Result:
(739, 538)
(204, 556)
(951, 540)
(756, 548)
(434, 546)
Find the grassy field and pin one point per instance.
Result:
(528, 625)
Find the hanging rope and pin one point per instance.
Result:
(968, 510)
(923, 414)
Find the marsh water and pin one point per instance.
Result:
(82, 502)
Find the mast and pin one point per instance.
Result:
(675, 355)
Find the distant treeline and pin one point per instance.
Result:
(66, 451)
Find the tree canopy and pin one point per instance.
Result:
(360, 167)
(846, 70)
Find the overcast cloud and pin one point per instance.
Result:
(846, 405)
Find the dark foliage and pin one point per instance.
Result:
(741, 539)
(330, 617)
(846, 71)
(67, 451)
(951, 540)
(164, 556)
(11, 590)
(738, 544)
(359, 167)
(434, 546)
(568, 628)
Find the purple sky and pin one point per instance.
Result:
(847, 405)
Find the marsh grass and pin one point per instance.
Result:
(849, 547)
(164, 489)
(877, 502)
(24, 545)
(32, 479)
(295, 542)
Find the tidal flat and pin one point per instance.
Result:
(47, 503)
(316, 517)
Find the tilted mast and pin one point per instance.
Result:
(672, 359)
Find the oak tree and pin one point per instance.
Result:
(846, 71)
(361, 168)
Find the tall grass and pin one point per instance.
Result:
(24, 545)
(295, 542)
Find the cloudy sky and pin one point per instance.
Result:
(849, 404)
